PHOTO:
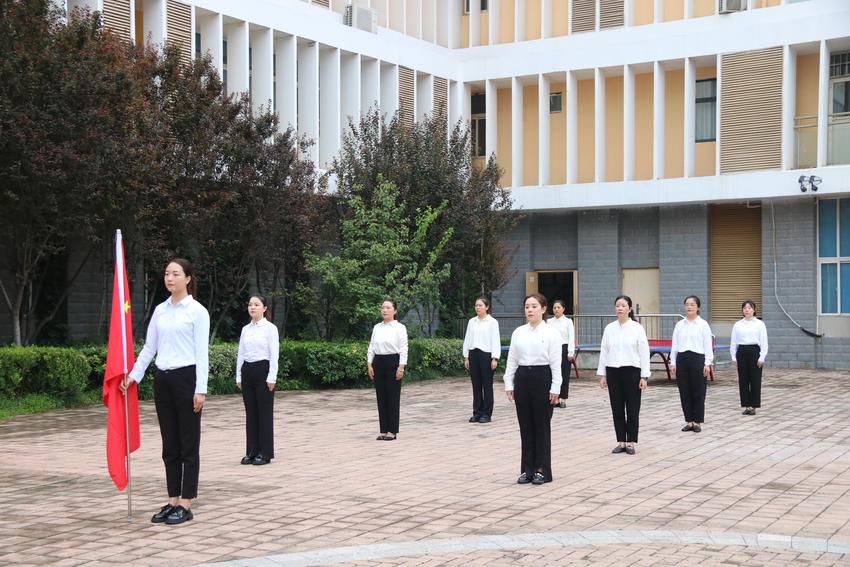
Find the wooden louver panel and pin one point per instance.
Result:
(440, 96)
(406, 95)
(179, 29)
(611, 13)
(751, 110)
(735, 259)
(325, 3)
(583, 15)
(116, 17)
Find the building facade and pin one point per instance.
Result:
(653, 147)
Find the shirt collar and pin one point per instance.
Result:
(259, 323)
(182, 303)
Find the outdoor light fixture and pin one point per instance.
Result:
(814, 181)
(809, 182)
(804, 183)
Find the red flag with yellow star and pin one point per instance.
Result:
(119, 362)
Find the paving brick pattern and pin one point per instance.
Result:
(782, 474)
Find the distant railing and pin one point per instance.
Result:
(806, 128)
(838, 142)
(589, 328)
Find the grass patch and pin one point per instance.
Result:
(40, 403)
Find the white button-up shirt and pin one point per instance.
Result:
(179, 336)
(535, 346)
(752, 332)
(483, 334)
(624, 345)
(565, 327)
(388, 338)
(694, 336)
(258, 341)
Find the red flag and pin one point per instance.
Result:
(119, 361)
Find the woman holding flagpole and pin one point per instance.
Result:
(178, 335)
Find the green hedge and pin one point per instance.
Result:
(65, 373)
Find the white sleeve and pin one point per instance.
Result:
(148, 351)
(240, 356)
(674, 346)
(402, 345)
(274, 353)
(555, 353)
(708, 344)
(733, 342)
(467, 339)
(496, 347)
(762, 342)
(202, 350)
(511, 366)
(643, 351)
(571, 342)
(603, 354)
(370, 352)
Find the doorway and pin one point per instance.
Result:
(642, 285)
(554, 284)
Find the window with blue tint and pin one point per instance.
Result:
(845, 287)
(827, 219)
(829, 288)
(844, 226)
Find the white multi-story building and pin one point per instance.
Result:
(656, 147)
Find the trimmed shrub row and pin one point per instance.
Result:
(66, 373)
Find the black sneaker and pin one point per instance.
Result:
(523, 479)
(163, 513)
(179, 515)
(538, 478)
(618, 449)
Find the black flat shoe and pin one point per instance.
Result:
(523, 479)
(389, 438)
(381, 438)
(248, 460)
(163, 513)
(484, 419)
(746, 412)
(538, 478)
(179, 515)
(473, 419)
(618, 449)
(697, 428)
(630, 450)
(688, 427)
(562, 404)
(261, 460)
(753, 411)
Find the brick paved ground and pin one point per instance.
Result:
(445, 492)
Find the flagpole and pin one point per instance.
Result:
(119, 269)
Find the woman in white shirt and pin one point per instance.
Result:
(565, 327)
(533, 382)
(178, 335)
(256, 374)
(482, 347)
(691, 357)
(386, 358)
(748, 347)
(624, 370)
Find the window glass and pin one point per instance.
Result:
(706, 110)
(556, 102)
(841, 97)
(845, 287)
(827, 228)
(829, 288)
(844, 227)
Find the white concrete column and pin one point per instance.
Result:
(308, 96)
(454, 104)
(237, 57)
(262, 74)
(424, 95)
(370, 84)
(154, 25)
(545, 19)
(598, 125)
(572, 127)
(823, 104)
(329, 97)
(628, 123)
(466, 102)
(516, 132)
(789, 104)
(657, 11)
(543, 142)
(689, 9)
(474, 23)
(628, 12)
(193, 26)
(597, 10)
(64, 5)
(491, 96)
(453, 24)
(494, 17)
(719, 70)
(350, 89)
(389, 89)
(658, 108)
(690, 117)
(286, 86)
(519, 20)
(212, 36)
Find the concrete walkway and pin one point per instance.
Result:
(773, 489)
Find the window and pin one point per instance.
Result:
(834, 256)
(706, 110)
(197, 43)
(556, 102)
(466, 6)
(478, 125)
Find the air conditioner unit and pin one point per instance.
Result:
(729, 6)
(365, 19)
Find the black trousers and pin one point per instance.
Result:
(534, 413)
(692, 385)
(180, 428)
(387, 391)
(749, 375)
(482, 383)
(259, 406)
(624, 393)
(565, 372)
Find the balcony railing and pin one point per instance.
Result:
(838, 139)
(806, 129)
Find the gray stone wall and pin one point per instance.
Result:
(639, 238)
(598, 260)
(683, 257)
